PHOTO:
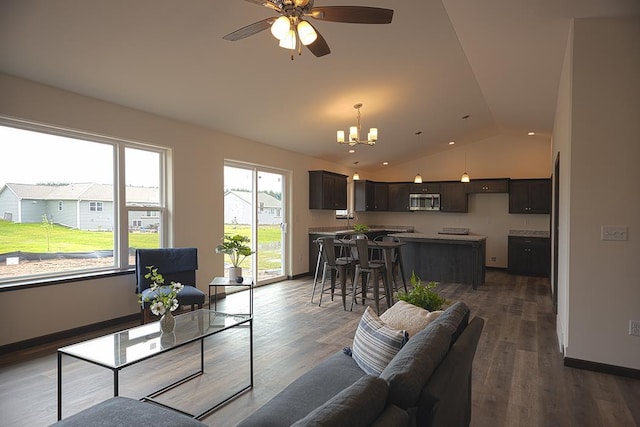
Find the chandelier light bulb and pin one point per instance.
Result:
(280, 28)
(340, 136)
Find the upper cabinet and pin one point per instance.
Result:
(530, 196)
(425, 187)
(371, 196)
(399, 196)
(498, 185)
(327, 190)
(453, 196)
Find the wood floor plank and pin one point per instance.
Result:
(518, 375)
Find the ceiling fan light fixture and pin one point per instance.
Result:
(280, 28)
(306, 33)
(289, 41)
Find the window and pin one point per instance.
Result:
(96, 206)
(54, 205)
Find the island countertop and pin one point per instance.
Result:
(340, 231)
(436, 236)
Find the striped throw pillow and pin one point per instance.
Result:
(375, 343)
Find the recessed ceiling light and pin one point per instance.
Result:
(385, 163)
(352, 151)
(452, 142)
(466, 116)
(531, 133)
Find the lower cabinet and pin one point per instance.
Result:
(529, 256)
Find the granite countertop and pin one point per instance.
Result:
(529, 233)
(339, 231)
(436, 236)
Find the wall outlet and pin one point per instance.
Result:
(634, 328)
(493, 258)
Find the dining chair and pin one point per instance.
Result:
(365, 268)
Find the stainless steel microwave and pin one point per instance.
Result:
(424, 202)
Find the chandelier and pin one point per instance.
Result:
(354, 133)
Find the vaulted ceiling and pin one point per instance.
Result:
(496, 61)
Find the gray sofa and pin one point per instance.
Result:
(427, 383)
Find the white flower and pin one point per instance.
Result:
(158, 308)
(176, 286)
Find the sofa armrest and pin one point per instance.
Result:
(446, 398)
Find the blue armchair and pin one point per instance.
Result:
(175, 265)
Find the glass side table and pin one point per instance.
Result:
(223, 281)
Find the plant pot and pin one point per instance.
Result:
(234, 273)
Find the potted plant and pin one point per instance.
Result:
(361, 228)
(238, 249)
(422, 295)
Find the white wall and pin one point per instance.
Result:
(600, 288)
(198, 157)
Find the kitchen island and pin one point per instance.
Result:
(444, 257)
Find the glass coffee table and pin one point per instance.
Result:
(126, 348)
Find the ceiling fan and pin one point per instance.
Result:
(294, 31)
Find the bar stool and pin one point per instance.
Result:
(336, 269)
(364, 270)
(397, 261)
(320, 242)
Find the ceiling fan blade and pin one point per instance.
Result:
(352, 14)
(250, 29)
(319, 47)
(266, 3)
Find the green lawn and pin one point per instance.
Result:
(33, 238)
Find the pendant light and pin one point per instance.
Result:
(418, 178)
(465, 175)
(356, 177)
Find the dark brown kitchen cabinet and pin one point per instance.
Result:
(399, 196)
(530, 196)
(327, 190)
(453, 196)
(498, 185)
(425, 187)
(371, 196)
(529, 256)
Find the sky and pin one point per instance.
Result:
(28, 157)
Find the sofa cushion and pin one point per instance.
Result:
(307, 392)
(411, 318)
(357, 405)
(375, 344)
(411, 368)
(454, 319)
(123, 411)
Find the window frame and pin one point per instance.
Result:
(121, 262)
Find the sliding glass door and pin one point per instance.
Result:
(254, 206)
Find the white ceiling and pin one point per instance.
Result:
(496, 60)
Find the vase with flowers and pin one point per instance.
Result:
(238, 249)
(163, 298)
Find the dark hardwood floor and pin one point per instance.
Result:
(518, 378)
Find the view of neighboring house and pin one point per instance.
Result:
(237, 208)
(85, 206)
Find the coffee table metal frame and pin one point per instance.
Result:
(224, 281)
(82, 352)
